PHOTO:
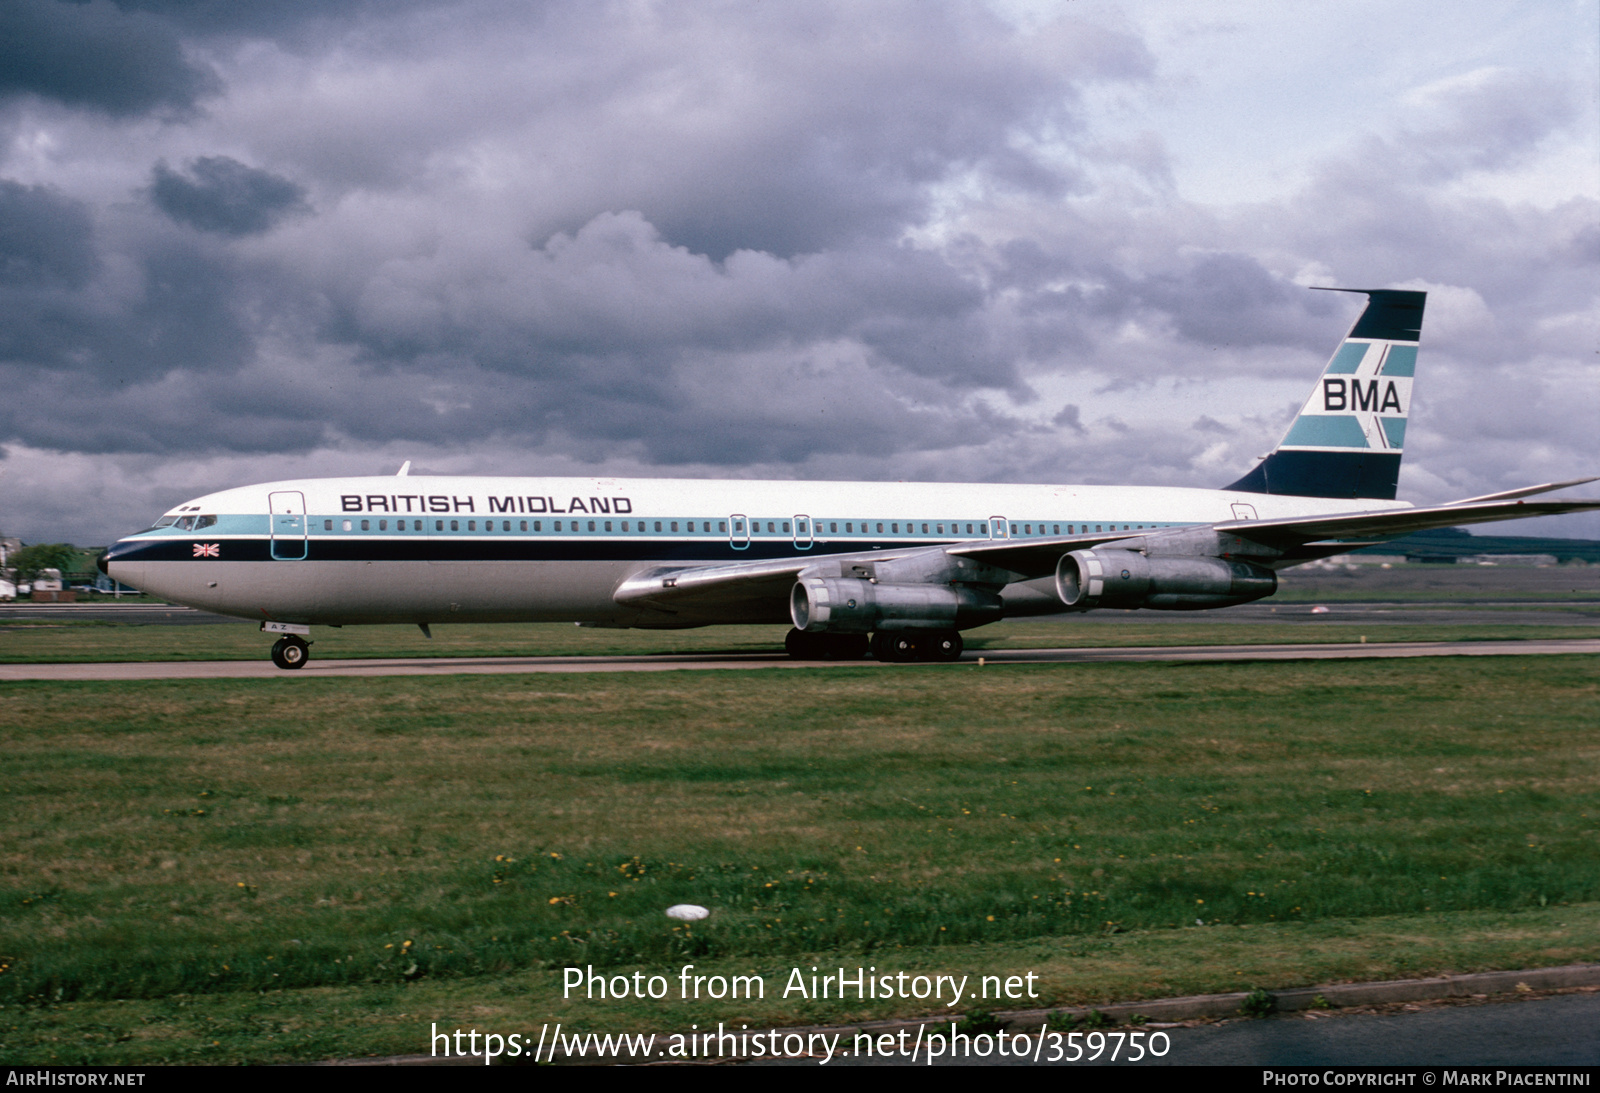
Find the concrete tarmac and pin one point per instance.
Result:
(325, 669)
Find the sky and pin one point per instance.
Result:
(998, 240)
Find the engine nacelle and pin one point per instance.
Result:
(1087, 579)
(843, 605)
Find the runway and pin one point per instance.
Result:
(999, 658)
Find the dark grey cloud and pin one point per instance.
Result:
(84, 353)
(730, 238)
(1213, 299)
(219, 194)
(285, 20)
(96, 56)
(46, 239)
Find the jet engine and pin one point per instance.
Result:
(1086, 579)
(845, 605)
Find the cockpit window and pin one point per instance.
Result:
(194, 523)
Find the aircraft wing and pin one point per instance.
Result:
(728, 587)
(757, 584)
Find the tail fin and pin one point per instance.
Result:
(1348, 438)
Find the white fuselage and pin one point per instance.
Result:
(424, 549)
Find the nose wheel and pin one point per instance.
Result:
(291, 651)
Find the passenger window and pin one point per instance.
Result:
(536, 526)
(722, 525)
(658, 525)
(608, 525)
(438, 525)
(893, 528)
(327, 525)
(880, 528)
(455, 525)
(939, 528)
(674, 525)
(366, 525)
(383, 525)
(738, 527)
(786, 527)
(347, 525)
(591, 525)
(524, 525)
(558, 525)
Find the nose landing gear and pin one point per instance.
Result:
(291, 651)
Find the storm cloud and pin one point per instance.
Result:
(97, 56)
(908, 240)
(219, 194)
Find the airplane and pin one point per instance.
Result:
(899, 570)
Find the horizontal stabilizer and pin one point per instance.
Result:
(1525, 491)
(1395, 522)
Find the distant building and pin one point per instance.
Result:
(47, 588)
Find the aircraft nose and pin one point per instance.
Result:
(100, 563)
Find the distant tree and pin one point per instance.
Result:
(28, 561)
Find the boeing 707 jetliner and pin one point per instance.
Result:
(900, 569)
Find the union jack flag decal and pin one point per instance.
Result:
(208, 550)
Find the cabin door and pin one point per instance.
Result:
(287, 511)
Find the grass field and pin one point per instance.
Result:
(299, 868)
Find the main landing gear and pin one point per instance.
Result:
(897, 645)
(291, 651)
(908, 645)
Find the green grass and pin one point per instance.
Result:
(187, 840)
(30, 643)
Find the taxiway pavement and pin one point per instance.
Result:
(997, 658)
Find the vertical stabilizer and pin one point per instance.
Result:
(1350, 434)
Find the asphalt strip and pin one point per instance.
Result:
(321, 669)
